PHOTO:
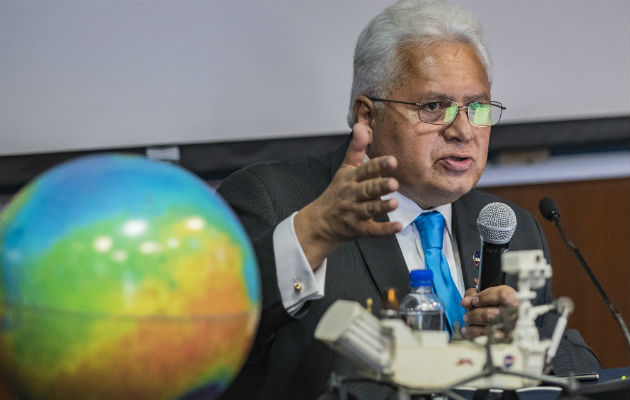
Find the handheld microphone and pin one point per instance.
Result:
(549, 210)
(496, 224)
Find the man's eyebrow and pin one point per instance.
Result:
(476, 97)
(433, 95)
(467, 99)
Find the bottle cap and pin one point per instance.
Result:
(421, 277)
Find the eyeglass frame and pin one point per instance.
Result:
(419, 104)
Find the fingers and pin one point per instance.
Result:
(358, 145)
(368, 182)
(477, 320)
(483, 307)
(471, 331)
(374, 188)
(497, 296)
(470, 300)
(383, 228)
(481, 316)
(371, 209)
(376, 167)
(355, 156)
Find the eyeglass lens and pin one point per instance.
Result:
(444, 112)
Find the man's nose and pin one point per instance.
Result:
(461, 128)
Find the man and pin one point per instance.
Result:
(342, 227)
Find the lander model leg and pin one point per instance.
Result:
(428, 362)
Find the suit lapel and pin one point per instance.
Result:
(385, 261)
(468, 240)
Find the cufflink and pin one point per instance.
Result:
(297, 286)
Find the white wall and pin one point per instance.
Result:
(85, 74)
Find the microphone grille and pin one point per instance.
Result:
(496, 223)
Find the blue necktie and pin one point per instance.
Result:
(431, 228)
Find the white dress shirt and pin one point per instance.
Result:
(298, 283)
(409, 237)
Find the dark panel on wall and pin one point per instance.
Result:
(214, 161)
(596, 216)
(211, 161)
(560, 134)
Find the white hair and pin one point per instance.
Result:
(376, 65)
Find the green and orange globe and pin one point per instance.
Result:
(123, 278)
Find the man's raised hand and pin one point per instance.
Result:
(346, 209)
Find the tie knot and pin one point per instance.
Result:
(431, 228)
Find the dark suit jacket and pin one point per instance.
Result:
(286, 362)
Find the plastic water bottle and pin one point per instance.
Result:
(421, 309)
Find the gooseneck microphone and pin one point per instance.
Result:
(496, 224)
(549, 210)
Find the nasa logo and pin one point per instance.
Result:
(464, 361)
(477, 258)
(508, 361)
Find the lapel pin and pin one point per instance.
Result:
(477, 261)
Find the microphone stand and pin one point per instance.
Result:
(555, 217)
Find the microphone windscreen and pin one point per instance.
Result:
(496, 223)
(548, 208)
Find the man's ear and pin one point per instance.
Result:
(365, 113)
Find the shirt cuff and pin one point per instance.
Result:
(297, 282)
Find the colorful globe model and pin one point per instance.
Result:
(123, 278)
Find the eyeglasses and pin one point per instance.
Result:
(444, 111)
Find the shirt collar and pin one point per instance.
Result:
(408, 211)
